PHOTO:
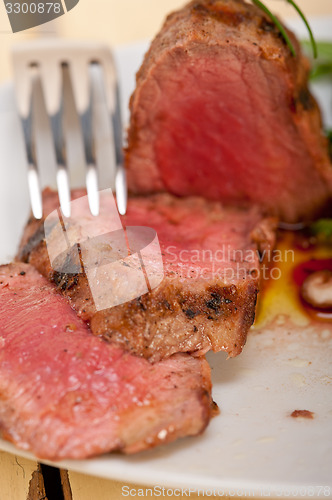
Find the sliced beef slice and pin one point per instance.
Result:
(211, 276)
(222, 110)
(65, 393)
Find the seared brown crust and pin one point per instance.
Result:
(181, 314)
(223, 22)
(211, 316)
(241, 28)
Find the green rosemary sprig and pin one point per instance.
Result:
(282, 30)
(304, 19)
(278, 24)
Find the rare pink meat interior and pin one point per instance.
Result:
(222, 110)
(68, 394)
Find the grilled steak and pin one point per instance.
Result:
(68, 394)
(222, 110)
(211, 276)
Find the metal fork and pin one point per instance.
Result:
(44, 70)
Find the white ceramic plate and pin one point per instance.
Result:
(253, 444)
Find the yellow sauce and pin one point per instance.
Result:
(280, 299)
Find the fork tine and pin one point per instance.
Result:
(92, 190)
(65, 66)
(87, 129)
(114, 102)
(112, 95)
(35, 193)
(27, 126)
(117, 126)
(62, 177)
(121, 190)
(120, 182)
(63, 190)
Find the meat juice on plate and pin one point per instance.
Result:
(296, 282)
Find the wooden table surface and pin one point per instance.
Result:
(22, 479)
(115, 22)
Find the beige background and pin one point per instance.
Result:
(116, 22)
(121, 21)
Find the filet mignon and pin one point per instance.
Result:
(222, 110)
(211, 276)
(67, 394)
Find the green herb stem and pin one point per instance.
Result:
(278, 25)
(282, 29)
(304, 19)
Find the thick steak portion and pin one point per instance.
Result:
(222, 110)
(211, 276)
(65, 393)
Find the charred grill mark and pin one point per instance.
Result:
(267, 26)
(190, 313)
(141, 304)
(32, 243)
(72, 282)
(167, 305)
(224, 15)
(60, 280)
(215, 302)
(222, 295)
(305, 99)
(221, 301)
(64, 281)
(70, 261)
(302, 100)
